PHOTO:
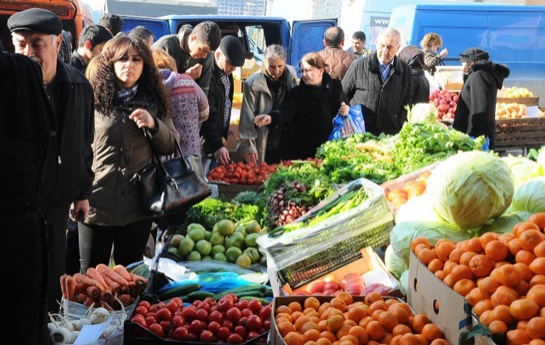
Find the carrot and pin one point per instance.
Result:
(80, 297)
(122, 271)
(89, 301)
(139, 279)
(93, 273)
(71, 288)
(80, 287)
(92, 291)
(107, 271)
(114, 286)
(63, 286)
(89, 281)
(106, 295)
(125, 299)
(78, 277)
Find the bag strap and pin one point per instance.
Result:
(148, 134)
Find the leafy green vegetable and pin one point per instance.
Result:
(529, 196)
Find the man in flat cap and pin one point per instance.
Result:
(190, 49)
(229, 56)
(476, 110)
(68, 179)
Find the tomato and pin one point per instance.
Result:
(201, 314)
(144, 304)
(178, 301)
(215, 316)
(235, 339)
(141, 310)
(255, 305)
(265, 312)
(243, 320)
(213, 327)
(254, 323)
(225, 303)
(267, 324)
(192, 337)
(166, 325)
(172, 306)
(234, 314)
(139, 319)
(180, 333)
(252, 335)
(242, 304)
(206, 336)
(241, 330)
(228, 324)
(164, 314)
(177, 321)
(246, 312)
(157, 329)
(195, 327)
(150, 319)
(189, 312)
(153, 308)
(224, 333)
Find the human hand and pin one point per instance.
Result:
(262, 120)
(142, 118)
(343, 110)
(251, 158)
(194, 71)
(222, 156)
(80, 211)
(443, 53)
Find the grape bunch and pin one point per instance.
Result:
(285, 204)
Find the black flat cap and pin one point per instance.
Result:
(233, 50)
(473, 54)
(36, 19)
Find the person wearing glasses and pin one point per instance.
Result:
(382, 84)
(430, 44)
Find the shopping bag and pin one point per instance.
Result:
(344, 126)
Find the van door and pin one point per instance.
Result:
(306, 37)
(159, 27)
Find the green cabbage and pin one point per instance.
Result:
(403, 233)
(529, 196)
(418, 208)
(523, 169)
(394, 263)
(506, 222)
(471, 189)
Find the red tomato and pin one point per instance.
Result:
(157, 329)
(145, 304)
(214, 327)
(225, 303)
(177, 321)
(166, 325)
(172, 306)
(241, 330)
(206, 336)
(228, 324)
(215, 316)
(255, 305)
(252, 335)
(265, 312)
(246, 312)
(224, 333)
(243, 304)
(235, 339)
(189, 313)
(254, 323)
(150, 319)
(139, 319)
(195, 327)
(180, 333)
(201, 314)
(141, 310)
(266, 324)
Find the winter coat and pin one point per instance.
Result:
(431, 61)
(311, 110)
(257, 100)
(421, 87)
(476, 108)
(120, 151)
(383, 103)
(68, 169)
(337, 61)
(213, 130)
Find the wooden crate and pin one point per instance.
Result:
(528, 101)
(520, 133)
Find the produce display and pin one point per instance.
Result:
(227, 242)
(501, 275)
(510, 111)
(344, 321)
(242, 173)
(400, 195)
(446, 103)
(229, 320)
(102, 286)
(517, 92)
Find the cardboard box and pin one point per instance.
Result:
(369, 265)
(446, 308)
(250, 67)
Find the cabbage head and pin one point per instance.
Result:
(403, 233)
(418, 208)
(471, 189)
(530, 196)
(522, 168)
(422, 112)
(506, 222)
(394, 263)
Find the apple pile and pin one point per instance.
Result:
(445, 101)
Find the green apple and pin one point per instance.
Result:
(236, 239)
(217, 239)
(175, 240)
(251, 239)
(186, 246)
(204, 247)
(243, 261)
(194, 256)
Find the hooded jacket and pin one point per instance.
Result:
(476, 108)
(383, 103)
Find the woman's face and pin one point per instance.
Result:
(129, 68)
(311, 74)
(275, 67)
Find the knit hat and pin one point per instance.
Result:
(233, 50)
(473, 54)
(36, 19)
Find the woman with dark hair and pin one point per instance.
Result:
(132, 115)
(311, 107)
(414, 57)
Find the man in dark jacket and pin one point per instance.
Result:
(68, 179)
(190, 48)
(382, 84)
(90, 44)
(476, 109)
(214, 130)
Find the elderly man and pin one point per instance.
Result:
(335, 57)
(228, 57)
(382, 84)
(68, 179)
(190, 48)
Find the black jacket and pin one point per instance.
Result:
(476, 108)
(383, 103)
(311, 110)
(421, 87)
(68, 172)
(212, 130)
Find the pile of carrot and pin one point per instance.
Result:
(102, 286)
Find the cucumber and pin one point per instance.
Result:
(251, 287)
(184, 289)
(249, 294)
(268, 293)
(199, 295)
(263, 301)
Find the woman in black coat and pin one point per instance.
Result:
(310, 107)
(414, 57)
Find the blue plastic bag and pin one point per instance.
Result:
(344, 126)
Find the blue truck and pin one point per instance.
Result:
(514, 36)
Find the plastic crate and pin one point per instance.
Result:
(302, 255)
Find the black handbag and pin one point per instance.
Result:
(170, 186)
